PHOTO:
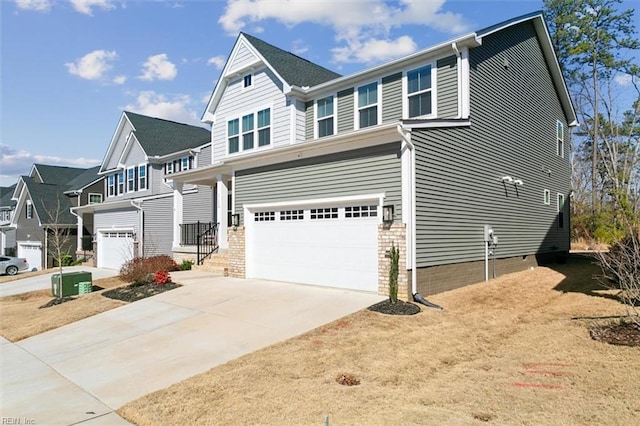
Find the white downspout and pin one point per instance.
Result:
(412, 194)
(140, 224)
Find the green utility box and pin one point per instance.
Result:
(69, 285)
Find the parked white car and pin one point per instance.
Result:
(11, 265)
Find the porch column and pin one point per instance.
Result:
(177, 212)
(222, 193)
(80, 233)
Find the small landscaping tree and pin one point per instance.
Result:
(394, 255)
(60, 236)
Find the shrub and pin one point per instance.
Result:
(394, 254)
(186, 265)
(65, 260)
(141, 269)
(161, 277)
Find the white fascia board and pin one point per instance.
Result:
(431, 53)
(35, 169)
(131, 140)
(163, 158)
(435, 124)
(112, 144)
(18, 189)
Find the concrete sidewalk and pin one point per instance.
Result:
(123, 354)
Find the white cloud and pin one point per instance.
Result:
(299, 47)
(177, 108)
(623, 79)
(92, 66)
(15, 163)
(158, 67)
(357, 24)
(37, 5)
(86, 6)
(373, 50)
(217, 61)
(120, 79)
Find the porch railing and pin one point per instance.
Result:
(203, 235)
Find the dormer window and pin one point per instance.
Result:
(247, 81)
(419, 92)
(324, 114)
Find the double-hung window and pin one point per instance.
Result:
(560, 138)
(142, 177)
(324, 111)
(247, 132)
(120, 182)
(111, 185)
(419, 92)
(233, 131)
(368, 105)
(131, 179)
(264, 127)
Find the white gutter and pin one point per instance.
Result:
(140, 224)
(406, 137)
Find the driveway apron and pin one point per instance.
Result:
(123, 354)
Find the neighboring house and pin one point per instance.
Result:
(136, 216)
(43, 203)
(467, 133)
(7, 231)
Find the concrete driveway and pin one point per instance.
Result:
(41, 282)
(84, 371)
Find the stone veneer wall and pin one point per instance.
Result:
(395, 234)
(237, 268)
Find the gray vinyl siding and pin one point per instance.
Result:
(345, 111)
(96, 188)
(308, 121)
(198, 206)
(10, 239)
(392, 98)
(364, 171)
(266, 92)
(118, 146)
(28, 229)
(135, 155)
(447, 87)
(204, 158)
(243, 58)
(512, 133)
(126, 218)
(156, 180)
(158, 226)
(300, 120)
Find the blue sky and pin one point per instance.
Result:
(69, 68)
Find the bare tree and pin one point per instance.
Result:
(59, 235)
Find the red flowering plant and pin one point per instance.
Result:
(161, 277)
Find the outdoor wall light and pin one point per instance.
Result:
(518, 182)
(387, 214)
(507, 179)
(235, 220)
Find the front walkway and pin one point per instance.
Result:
(120, 355)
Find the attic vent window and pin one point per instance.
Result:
(247, 80)
(29, 210)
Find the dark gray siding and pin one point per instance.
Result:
(447, 91)
(28, 229)
(392, 98)
(513, 133)
(158, 226)
(198, 206)
(364, 171)
(308, 121)
(345, 111)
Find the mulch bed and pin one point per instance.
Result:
(622, 333)
(398, 308)
(133, 292)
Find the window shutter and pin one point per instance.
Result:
(135, 178)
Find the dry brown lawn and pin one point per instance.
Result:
(20, 316)
(503, 352)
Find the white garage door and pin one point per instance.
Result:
(33, 253)
(114, 248)
(335, 246)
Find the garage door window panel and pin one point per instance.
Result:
(324, 213)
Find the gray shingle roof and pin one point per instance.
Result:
(6, 192)
(85, 178)
(58, 174)
(163, 137)
(295, 70)
(50, 202)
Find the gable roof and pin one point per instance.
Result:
(296, 71)
(84, 179)
(57, 174)
(6, 194)
(160, 137)
(49, 202)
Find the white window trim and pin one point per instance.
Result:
(131, 179)
(29, 209)
(146, 176)
(560, 139)
(434, 94)
(256, 147)
(121, 182)
(547, 197)
(334, 115)
(110, 193)
(94, 193)
(356, 108)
